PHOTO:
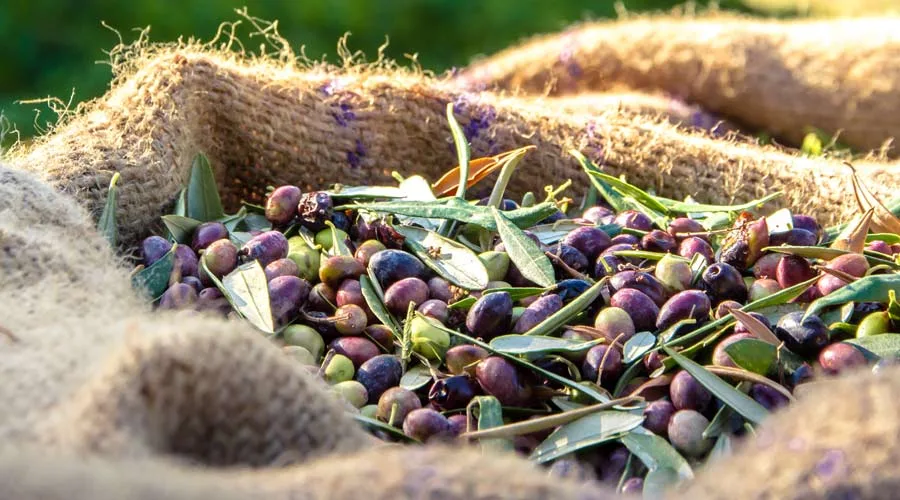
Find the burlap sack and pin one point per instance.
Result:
(104, 399)
(837, 75)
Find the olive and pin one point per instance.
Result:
(194, 282)
(689, 304)
(381, 335)
(188, 261)
(501, 379)
(496, 263)
(724, 282)
(763, 288)
(362, 230)
(325, 239)
(806, 222)
(658, 241)
(350, 319)
(368, 411)
(720, 356)
(399, 296)
(588, 240)
(397, 402)
(206, 233)
(490, 315)
(154, 248)
(652, 361)
(300, 354)
(614, 323)
(805, 337)
(453, 392)
(632, 219)
(379, 374)
(282, 267)
(220, 258)
(874, 323)
(633, 486)
(339, 369)
(566, 256)
(680, 226)
(657, 415)
(287, 295)
(266, 247)
(571, 470)
(427, 339)
(793, 269)
(841, 357)
(598, 215)
(767, 266)
(459, 423)
(725, 307)
(639, 306)
(352, 392)
(768, 397)
(366, 250)
(439, 288)
(305, 336)
(390, 266)
(426, 424)
(688, 394)
(281, 206)
(607, 265)
(462, 358)
(629, 241)
(740, 327)
(357, 349)
(686, 433)
(853, 264)
(436, 309)
(337, 268)
(306, 258)
(567, 289)
(314, 209)
(322, 298)
(674, 273)
(880, 247)
(602, 364)
(743, 245)
(178, 296)
(693, 245)
(794, 237)
(537, 312)
(641, 281)
(212, 299)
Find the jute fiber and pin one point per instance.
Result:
(103, 398)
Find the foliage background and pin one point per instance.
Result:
(52, 47)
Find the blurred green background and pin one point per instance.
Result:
(53, 47)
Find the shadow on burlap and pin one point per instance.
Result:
(104, 399)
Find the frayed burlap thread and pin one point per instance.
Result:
(839, 75)
(264, 123)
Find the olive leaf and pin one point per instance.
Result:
(551, 233)
(489, 414)
(107, 224)
(853, 237)
(416, 188)
(458, 210)
(889, 238)
(756, 327)
(155, 278)
(740, 402)
(451, 260)
(338, 246)
(247, 290)
(874, 288)
(360, 192)
(523, 252)
(415, 377)
(462, 150)
(181, 203)
(656, 453)
(567, 312)
(203, 202)
(180, 228)
(377, 425)
(692, 208)
(524, 344)
(636, 193)
(637, 346)
(374, 301)
(882, 345)
(510, 162)
(882, 218)
(752, 355)
(588, 431)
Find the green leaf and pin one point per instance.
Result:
(155, 279)
(825, 253)
(570, 310)
(588, 431)
(415, 378)
(638, 345)
(462, 151)
(181, 203)
(254, 222)
(524, 344)
(509, 166)
(416, 188)
(693, 208)
(107, 224)
(883, 345)
(376, 305)
(643, 254)
(888, 238)
(627, 189)
(717, 426)
(869, 289)
(524, 252)
(656, 453)
(458, 210)
(752, 355)
(247, 290)
(338, 246)
(203, 201)
(231, 221)
(455, 262)
(377, 425)
(615, 200)
(658, 481)
(515, 293)
(722, 448)
(551, 233)
(360, 192)
(180, 228)
(490, 414)
(740, 402)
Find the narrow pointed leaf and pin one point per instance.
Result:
(376, 305)
(693, 208)
(462, 150)
(510, 162)
(638, 345)
(247, 290)
(180, 228)
(568, 311)
(490, 414)
(524, 252)
(360, 192)
(853, 237)
(756, 327)
(378, 425)
(155, 279)
(107, 224)
(588, 431)
(636, 193)
(656, 453)
(524, 344)
(451, 260)
(874, 288)
(203, 202)
(458, 210)
(882, 218)
(415, 378)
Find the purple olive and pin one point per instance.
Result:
(603, 362)
(366, 250)
(743, 245)
(426, 424)
(220, 257)
(614, 323)
(805, 337)
(322, 298)
(607, 265)
(178, 296)
(571, 470)
(188, 261)
(500, 378)
(853, 264)
(642, 282)
(688, 394)
(639, 306)
(358, 349)
(806, 222)
(211, 299)
(597, 214)
(314, 209)
(689, 304)
(337, 268)
(763, 288)
(840, 357)
(725, 307)
(436, 309)
(266, 247)
(571, 257)
(404, 292)
(282, 267)
(693, 245)
(390, 266)
(590, 241)
(724, 282)
(632, 219)
(740, 327)
(281, 206)
(793, 237)
(453, 392)
(686, 433)
(381, 335)
(767, 265)
(350, 319)
(538, 311)
(657, 415)
(379, 374)
(658, 241)
(652, 361)
(490, 315)
(287, 295)
(459, 423)
(405, 400)
(154, 248)
(193, 281)
(207, 233)
(461, 357)
(720, 356)
(768, 397)
(439, 288)
(629, 241)
(678, 227)
(880, 247)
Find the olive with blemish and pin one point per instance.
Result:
(287, 294)
(434, 308)
(805, 337)
(350, 319)
(689, 304)
(743, 245)
(537, 312)
(220, 258)
(337, 268)
(724, 282)
(314, 209)
(281, 205)
(501, 379)
(282, 267)
(390, 266)
(632, 219)
(687, 393)
(461, 357)
(266, 248)
(590, 241)
(657, 415)
(397, 402)
(652, 361)
(206, 233)
(178, 296)
(426, 425)
(641, 281)
(686, 433)
(379, 374)
(453, 392)
(658, 241)
(642, 310)
(614, 323)
(404, 292)
(603, 362)
(490, 315)
(154, 248)
(840, 357)
(693, 245)
(188, 261)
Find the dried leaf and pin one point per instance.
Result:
(756, 327)
(853, 237)
(883, 220)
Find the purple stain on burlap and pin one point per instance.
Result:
(594, 149)
(481, 118)
(832, 467)
(354, 158)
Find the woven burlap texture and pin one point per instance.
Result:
(103, 398)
